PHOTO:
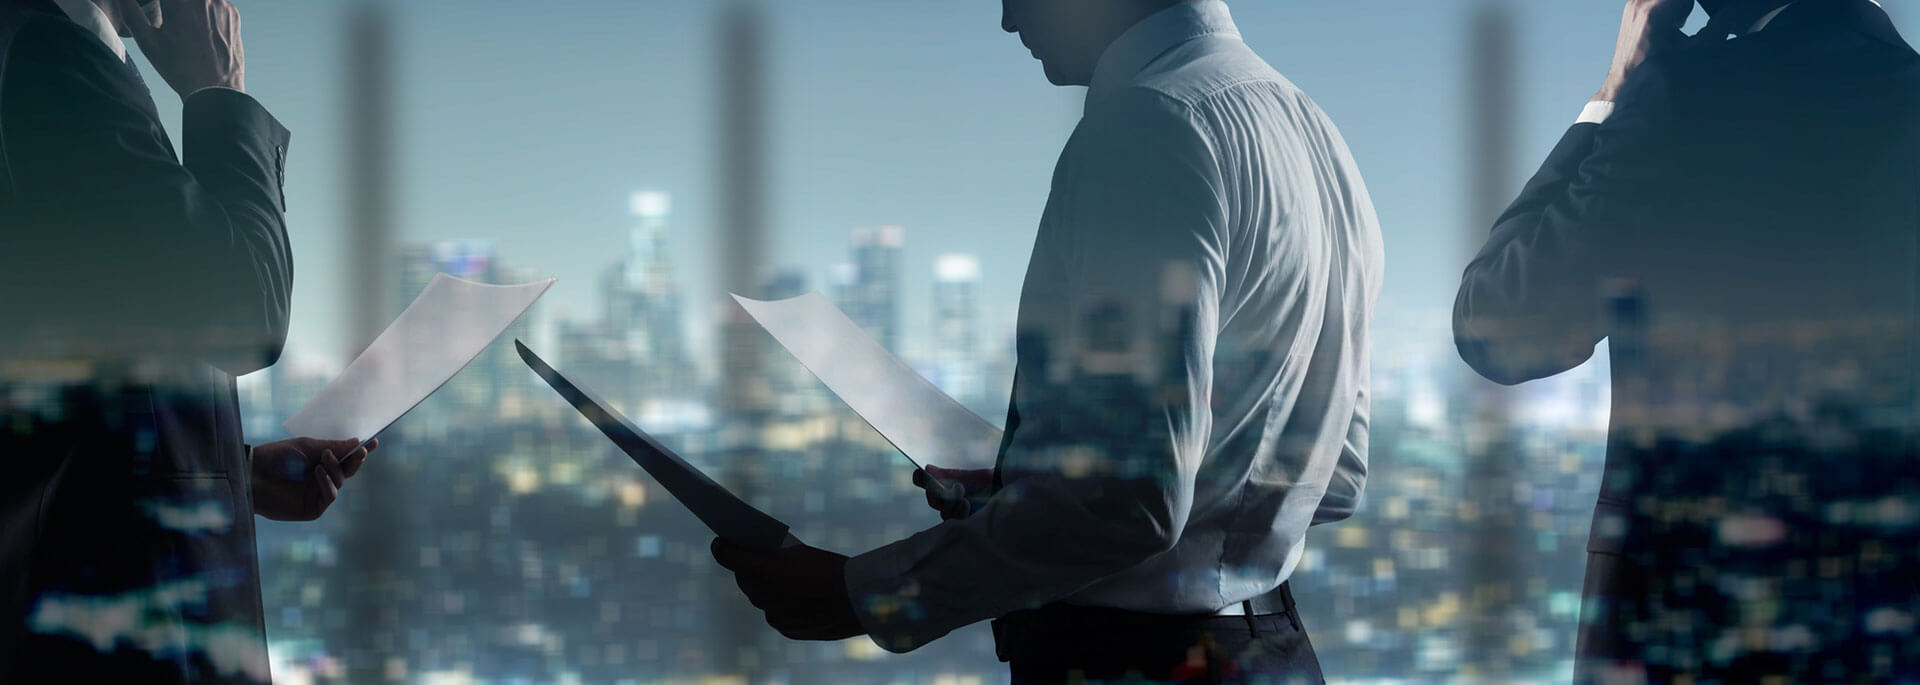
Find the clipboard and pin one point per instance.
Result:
(724, 513)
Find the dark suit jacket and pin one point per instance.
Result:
(134, 284)
(1744, 229)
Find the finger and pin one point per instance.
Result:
(373, 444)
(920, 478)
(331, 466)
(351, 465)
(736, 558)
(955, 510)
(137, 20)
(934, 502)
(328, 491)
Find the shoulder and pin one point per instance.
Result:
(1207, 70)
(34, 41)
(49, 64)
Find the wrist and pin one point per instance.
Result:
(1609, 91)
(235, 84)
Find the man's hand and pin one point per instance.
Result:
(955, 493)
(296, 480)
(802, 589)
(193, 44)
(1644, 25)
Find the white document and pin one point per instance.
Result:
(927, 425)
(443, 330)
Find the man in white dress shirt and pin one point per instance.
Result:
(1191, 387)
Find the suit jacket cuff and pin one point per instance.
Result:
(226, 127)
(886, 599)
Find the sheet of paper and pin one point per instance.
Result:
(927, 425)
(443, 330)
(725, 514)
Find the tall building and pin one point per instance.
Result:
(1499, 584)
(644, 309)
(375, 651)
(959, 366)
(741, 646)
(872, 298)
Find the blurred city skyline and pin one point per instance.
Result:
(914, 143)
(532, 130)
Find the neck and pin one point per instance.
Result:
(1125, 15)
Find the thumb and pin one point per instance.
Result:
(135, 19)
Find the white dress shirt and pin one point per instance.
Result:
(1597, 111)
(1191, 389)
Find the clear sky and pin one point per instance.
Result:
(529, 124)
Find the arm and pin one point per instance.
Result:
(1350, 473)
(132, 252)
(1114, 383)
(1530, 304)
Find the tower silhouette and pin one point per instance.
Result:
(373, 544)
(746, 397)
(1496, 579)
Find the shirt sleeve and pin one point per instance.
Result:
(1113, 384)
(1349, 480)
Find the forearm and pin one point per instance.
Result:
(1034, 543)
(237, 153)
(1528, 304)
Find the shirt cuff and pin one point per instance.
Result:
(1596, 112)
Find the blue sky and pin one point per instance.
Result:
(529, 123)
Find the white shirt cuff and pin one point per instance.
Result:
(1596, 112)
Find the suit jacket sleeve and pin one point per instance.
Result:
(120, 248)
(1530, 304)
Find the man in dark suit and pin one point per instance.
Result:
(134, 286)
(1737, 212)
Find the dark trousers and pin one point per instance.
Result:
(1058, 643)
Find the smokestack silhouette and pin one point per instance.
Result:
(746, 395)
(1496, 578)
(373, 546)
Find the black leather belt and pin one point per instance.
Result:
(1031, 628)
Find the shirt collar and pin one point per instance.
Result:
(89, 17)
(1157, 34)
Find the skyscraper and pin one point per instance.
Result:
(1497, 571)
(739, 631)
(644, 308)
(374, 545)
(872, 299)
(958, 364)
